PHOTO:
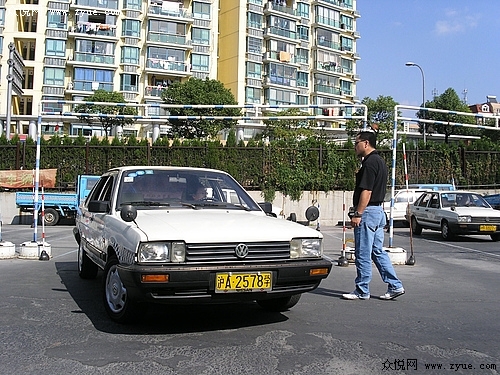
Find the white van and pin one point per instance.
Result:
(401, 199)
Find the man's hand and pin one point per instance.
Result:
(355, 221)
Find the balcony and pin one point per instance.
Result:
(179, 40)
(279, 6)
(92, 29)
(92, 58)
(154, 91)
(289, 34)
(89, 86)
(327, 89)
(178, 14)
(329, 66)
(167, 65)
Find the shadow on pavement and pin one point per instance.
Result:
(161, 319)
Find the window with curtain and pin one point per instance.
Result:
(131, 28)
(55, 47)
(130, 55)
(53, 76)
(200, 62)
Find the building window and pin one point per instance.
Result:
(254, 70)
(200, 36)
(254, 45)
(200, 63)
(131, 28)
(303, 79)
(129, 82)
(53, 76)
(56, 20)
(254, 20)
(87, 79)
(132, 4)
(51, 106)
(277, 97)
(303, 10)
(201, 10)
(252, 95)
(130, 55)
(303, 32)
(55, 47)
(106, 4)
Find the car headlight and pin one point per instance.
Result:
(464, 219)
(306, 248)
(162, 252)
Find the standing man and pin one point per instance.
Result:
(369, 220)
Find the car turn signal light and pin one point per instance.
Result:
(318, 271)
(155, 278)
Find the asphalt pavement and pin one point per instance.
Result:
(52, 322)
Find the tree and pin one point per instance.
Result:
(196, 91)
(97, 112)
(450, 101)
(288, 129)
(380, 112)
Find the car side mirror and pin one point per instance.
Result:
(312, 213)
(128, 213)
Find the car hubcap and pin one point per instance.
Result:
(116, 294)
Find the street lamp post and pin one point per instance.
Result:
(409, 63)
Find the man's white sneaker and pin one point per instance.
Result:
(391, 294)
(355, 295)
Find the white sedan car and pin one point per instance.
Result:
(171, 235)
(454, 213)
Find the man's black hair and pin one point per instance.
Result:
(368, 135)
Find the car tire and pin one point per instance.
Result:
(50, 217)
(495, 237)
(446, 233)
(279, 304)
(117, 302)
(86, 268)
(416, 229)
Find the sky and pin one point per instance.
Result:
(455, 42)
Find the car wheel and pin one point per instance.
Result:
(279, 304)
(445, 231)
(415, 227)
(117, 303)
(495, 237)
(86, 268)
(50, 217)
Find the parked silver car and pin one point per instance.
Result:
(454, 213)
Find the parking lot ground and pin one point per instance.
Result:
(53, 322)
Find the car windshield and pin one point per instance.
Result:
(188, 188)
(463, 200)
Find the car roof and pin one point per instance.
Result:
(165, 168)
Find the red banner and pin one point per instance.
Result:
(24, 179)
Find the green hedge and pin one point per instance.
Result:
(288, 167)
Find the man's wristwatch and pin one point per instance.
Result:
(356, 214)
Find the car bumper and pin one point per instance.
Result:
(472, 228)
(197, 283)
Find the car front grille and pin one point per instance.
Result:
(486, 219)
(226, 252)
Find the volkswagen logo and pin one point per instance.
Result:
(241, 250)
(487, 219)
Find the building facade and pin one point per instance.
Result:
(278, 52)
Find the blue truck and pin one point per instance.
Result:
(58, 205)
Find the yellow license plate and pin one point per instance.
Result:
(487, 228)
(243, 282)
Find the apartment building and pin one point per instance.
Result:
(278, 52)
